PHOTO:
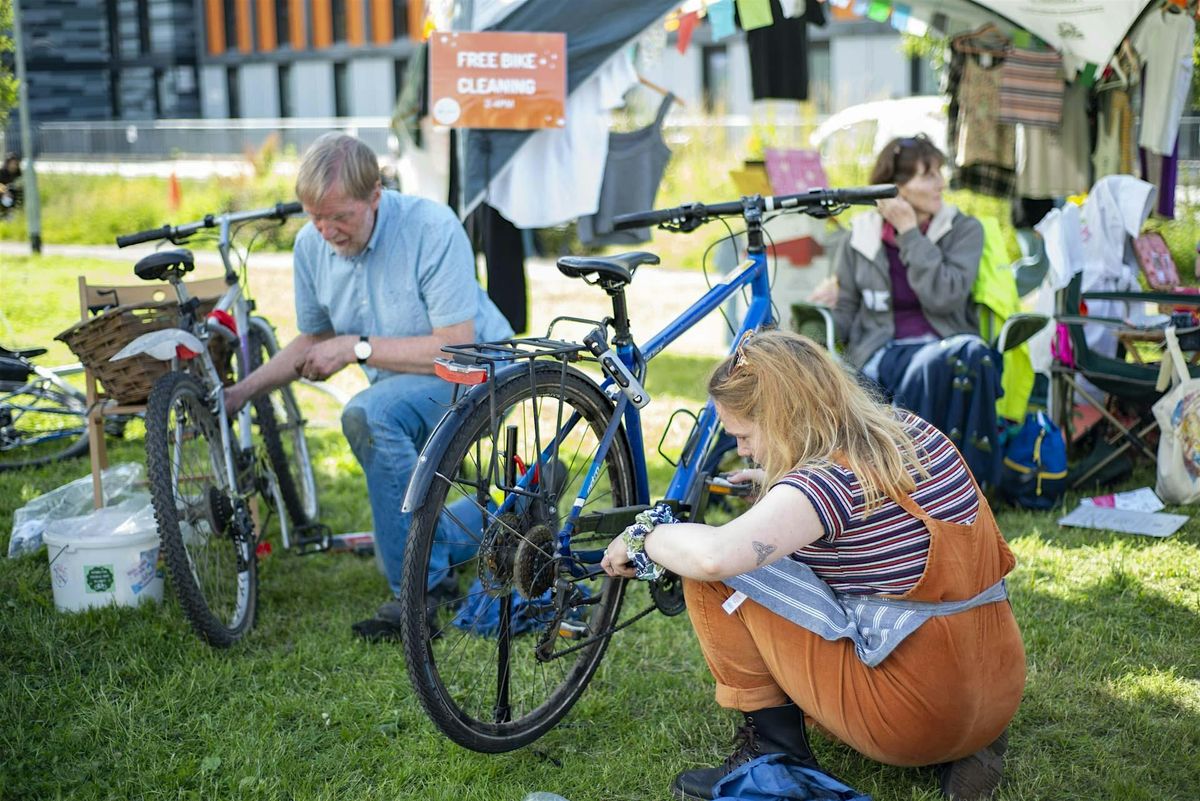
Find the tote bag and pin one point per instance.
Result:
(1178, 416)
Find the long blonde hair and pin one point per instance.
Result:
(811, 411)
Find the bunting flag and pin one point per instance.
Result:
(720, 16)
(860, 7)
(915, 27)
(754, 14)
(839, 3)
(879, 10)
(1021, 38)
(687, 23)
(900, 15)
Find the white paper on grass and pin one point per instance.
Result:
(1154, 524)
(1142, 499)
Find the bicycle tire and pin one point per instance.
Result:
(447, 664)
(40, 424)
(282, 429)
(207, 536)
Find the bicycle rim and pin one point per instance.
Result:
(282, 429)
(206, 532)
(39, 424)
(487, 691)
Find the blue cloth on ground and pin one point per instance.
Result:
(773, 777)
(480, 612)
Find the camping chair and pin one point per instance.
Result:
(1131, 384)
(127, 312)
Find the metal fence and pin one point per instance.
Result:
(219, 139)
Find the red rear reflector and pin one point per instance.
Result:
(185, 354)
(456, 373)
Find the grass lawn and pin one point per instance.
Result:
(128, 703)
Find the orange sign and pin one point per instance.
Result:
(498, 80)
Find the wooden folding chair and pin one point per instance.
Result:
(95, 299)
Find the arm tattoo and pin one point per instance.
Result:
(763, 550)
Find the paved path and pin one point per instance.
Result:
(656, 296)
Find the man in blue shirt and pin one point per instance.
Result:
(385, 280)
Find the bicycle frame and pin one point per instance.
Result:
(753, 272)
(166, 344)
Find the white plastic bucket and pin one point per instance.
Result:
(103, 569)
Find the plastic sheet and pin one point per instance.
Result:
(123, 489)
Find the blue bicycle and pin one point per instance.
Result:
(533, 470)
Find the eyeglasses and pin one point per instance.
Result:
(739, 353)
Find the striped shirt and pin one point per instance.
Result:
(886, 552)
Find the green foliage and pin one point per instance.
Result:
(95, 209)
(128, 703)
(8, 82)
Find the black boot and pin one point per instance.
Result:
(975, 778)
(778, 730)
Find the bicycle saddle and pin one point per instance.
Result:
(22, 353)
(609, 269)
(155, 266)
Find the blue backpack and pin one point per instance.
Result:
(1035, 464)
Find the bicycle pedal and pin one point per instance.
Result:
(313, 538)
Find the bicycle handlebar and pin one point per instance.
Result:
(695, 213)
(280, 211)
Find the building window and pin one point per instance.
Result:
(286, 108)
(232, 95)
(283, 23)
(820, 77)
(341, 90)
(231, 39)
(400, 19)
(339, 20)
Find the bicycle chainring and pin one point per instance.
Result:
(667, 593)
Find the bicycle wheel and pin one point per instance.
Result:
(499, 660)
(282, 428)
(207, 534)
(39, 424)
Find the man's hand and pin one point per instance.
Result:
(235, 399)
(327, 357)
(899, 212)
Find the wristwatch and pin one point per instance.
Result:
(362, 349)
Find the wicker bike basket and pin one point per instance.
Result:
(128, 381)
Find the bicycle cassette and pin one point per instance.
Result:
(535, 566)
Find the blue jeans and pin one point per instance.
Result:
(386, 426)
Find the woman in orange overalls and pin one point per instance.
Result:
(863, 589)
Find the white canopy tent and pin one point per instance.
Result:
(1084, 31)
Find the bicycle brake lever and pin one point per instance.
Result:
(615, 369)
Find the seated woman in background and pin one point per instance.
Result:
(905, 273)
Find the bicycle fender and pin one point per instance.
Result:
(160, 345)
(444, 431)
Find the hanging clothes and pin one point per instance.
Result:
(982, 139)
(632, 174)
(1162, 172)
(990, 179)
(503, 248)
(1164, 42)
(1031, 88)
(779, 54)
(1054, 162)
(555, 175)
(1114, 150)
